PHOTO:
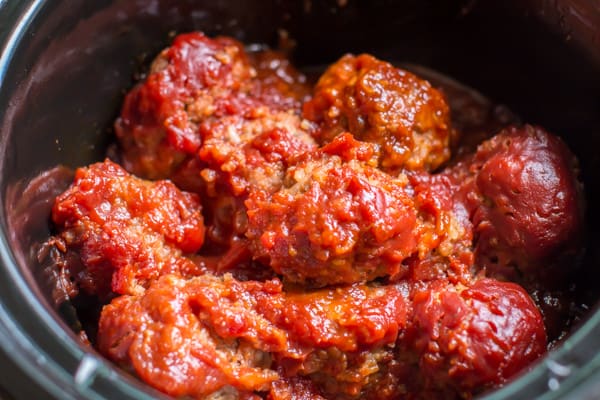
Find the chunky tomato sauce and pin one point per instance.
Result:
(258, 236)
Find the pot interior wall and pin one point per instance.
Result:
(74, 60)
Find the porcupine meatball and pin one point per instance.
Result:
(193, 337)
(339, 219)
(198, 79)
(522, 192)
(468, 339)
(379, 103)
(193, 79)
(117, 232)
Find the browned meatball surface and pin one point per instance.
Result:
(526, 206)
(379, 103)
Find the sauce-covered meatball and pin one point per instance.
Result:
(525, 202)
(193, 338)
(193, 79)
(469, 338)
(216, 121)
(337, 220)
(123, 231)
(379, 103)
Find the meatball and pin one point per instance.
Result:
(407, 118)
(125, 231)
(216, 122)
(466, 339)
(192, 338)
(196, 78)
(195, 81)
(525, 202)
(336, 221)
(339, 219)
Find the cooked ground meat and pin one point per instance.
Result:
(192, 80)
(240, 154)
(207, 334)
(379, 103)
(335, 221)
(448, 230)
(124, 231)
(197, 336)
(339, 219)
(522, 194)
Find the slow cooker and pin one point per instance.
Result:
(64, 67)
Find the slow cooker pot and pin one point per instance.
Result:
(64, 67)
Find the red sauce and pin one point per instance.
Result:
(268, 239)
